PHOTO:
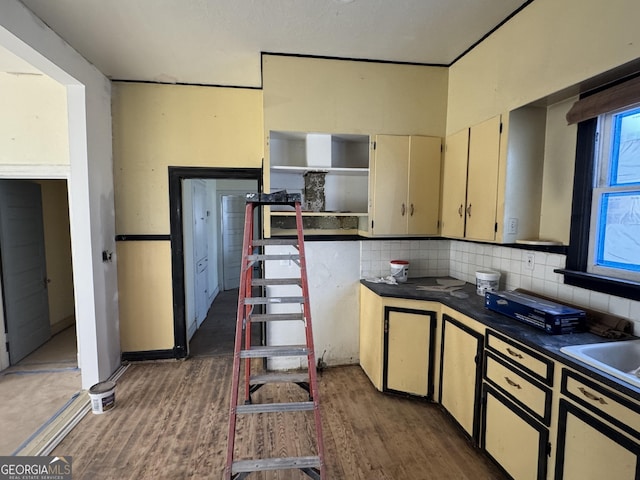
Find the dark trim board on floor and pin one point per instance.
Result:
(176, 175)
(148, 355)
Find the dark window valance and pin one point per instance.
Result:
(618, 96)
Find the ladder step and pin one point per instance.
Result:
(275, 241)
(270, 317)
(291, 377)
(284, 463)
(261, 282)
(275, 351)
(275, 407)
(270, 300)
(274, 256)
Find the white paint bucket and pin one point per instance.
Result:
(399, 270)
(487, 281)
(103, 396)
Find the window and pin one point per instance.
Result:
(604, 246)
(614, 248)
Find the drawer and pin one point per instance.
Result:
(606, 403)
(531, 395)
(528, 360)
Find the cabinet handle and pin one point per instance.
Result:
(591, 396)
(514, 354)
(512, 383)
(403, 209)
(460, 210)
(411, 210)
(469, 210)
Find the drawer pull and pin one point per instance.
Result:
(591, 396)
(514, 354)
(512, 383)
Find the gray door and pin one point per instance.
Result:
(233, 207)
(24, 275)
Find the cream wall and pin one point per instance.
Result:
(548, 46)
(33, 120)
(154, 127)
(339, 96)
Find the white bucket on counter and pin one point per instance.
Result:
(487, 281)
(103, 396)
(399, 270)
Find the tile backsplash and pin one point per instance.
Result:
(461, 260)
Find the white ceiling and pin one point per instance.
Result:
(218, 42)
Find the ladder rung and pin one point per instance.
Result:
(275, 407)
(284, 463)
(271, 300)
(261, 282)
(270, 317)
(274, 256)
(275, 351)
(275, 241)
(290, 377)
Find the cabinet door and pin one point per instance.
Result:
(424, 185)
(371, 335)
(390, 184)
(461, 374)
(408, 356)
(482, 180)
(513, 439)
(589, 448)
(454, 184)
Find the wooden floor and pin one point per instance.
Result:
(170, 422)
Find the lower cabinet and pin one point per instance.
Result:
(597, 432)
(517, 442)
(461, 374)
(516, 407)
(408, 351)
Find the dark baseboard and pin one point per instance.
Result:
(149, 355)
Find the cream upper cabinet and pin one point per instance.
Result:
(482, 180)
(492, 180)
(425, 159)
(470, 182)
(405, 185)
(454, 184)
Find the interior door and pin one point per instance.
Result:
(24, 272)
(200, 249)
(233, 209)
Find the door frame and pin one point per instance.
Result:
(176, 175)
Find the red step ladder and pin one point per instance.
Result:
(253, 251)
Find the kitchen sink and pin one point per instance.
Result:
(620, 359)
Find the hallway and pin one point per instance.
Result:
(217, 333)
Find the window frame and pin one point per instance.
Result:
(576, 272)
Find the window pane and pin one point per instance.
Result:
(618, 244)
(625, 166)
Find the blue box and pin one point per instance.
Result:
(553, 318)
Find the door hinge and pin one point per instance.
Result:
(371, 224)
(495, 228)
(548, 449)
(441, 148)
(500, 127)
(374, 145)
(386, 325)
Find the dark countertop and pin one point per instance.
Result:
(473, 306)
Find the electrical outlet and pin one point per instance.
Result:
(512, 226)
(529, 261)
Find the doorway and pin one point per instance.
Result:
(204, 267)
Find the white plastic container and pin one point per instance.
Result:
(487, 281)
(103, 397)
(399, 270)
